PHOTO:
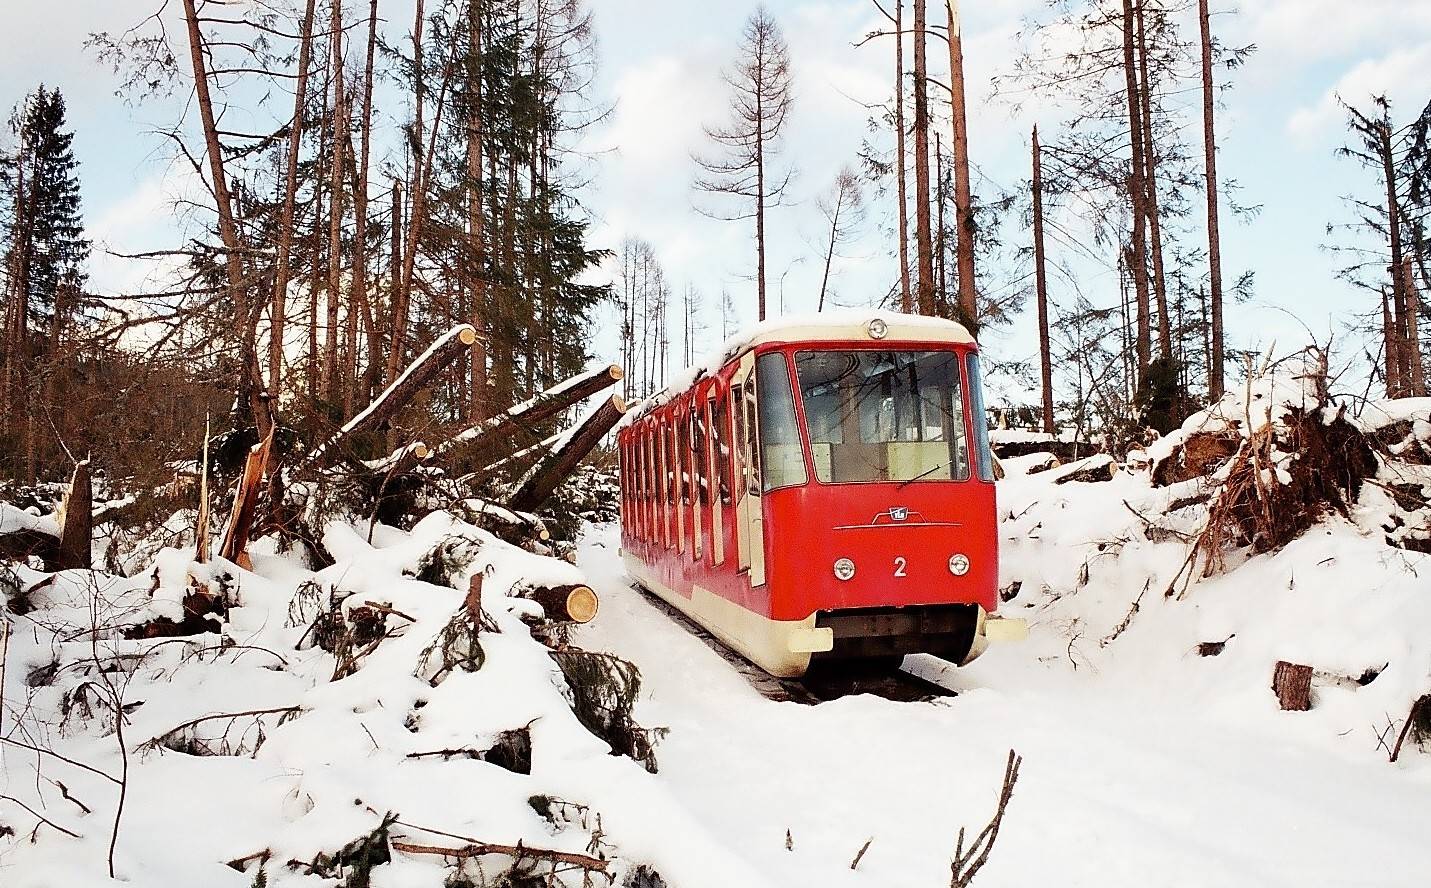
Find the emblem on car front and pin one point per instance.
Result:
(899, 513)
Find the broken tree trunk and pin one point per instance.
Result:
(562, 459)
(77, 530)
(235, 543)
(201, 523)
(414, 379)
(532, 412)
(1293, 684)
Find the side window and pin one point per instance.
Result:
(720, 447)
(752, 441)
(979, 420)
(683, 457)
(781, 456)
(700, 456)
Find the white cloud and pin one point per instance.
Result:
(1399, 75)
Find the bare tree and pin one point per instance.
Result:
(1041, 286)
(963, 207)
(843, 209)
(760, 101)
(1214, 240)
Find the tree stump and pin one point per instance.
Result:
(1292, 683)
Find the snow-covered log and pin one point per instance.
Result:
(562, 459)
(414, 379)
(574, 603)
(530, 413)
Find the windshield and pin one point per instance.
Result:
(884, 415)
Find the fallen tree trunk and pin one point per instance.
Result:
(530, 413)
(77, 530)
(575, 603)
(414, 379)
(22, 544)
(562, 459)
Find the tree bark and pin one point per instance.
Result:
(399, 392)
(531, 413)
(964, 229)
(1150, 181)
(1292, 683)
(1216, 358)
(278, 310)
(235, 543)
(1416, 384)
(475, 205)
(1041, 288)
(331, 382)
(77, 532)
(925, 258)
(906, 299)
(563, 459)
(228, 230)
(1137, 250)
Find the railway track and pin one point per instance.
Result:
(825, 682)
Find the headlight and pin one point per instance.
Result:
(844, 569)
(959, 565)
(878, 329)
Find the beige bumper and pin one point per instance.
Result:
(995, 628)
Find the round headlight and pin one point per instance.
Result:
(959, 565)
(844, 569)
(878, 329)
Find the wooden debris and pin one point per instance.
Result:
(1093, 469)
(531, 413)
(561, 460)
(385, 406)
(77, 529)
(518, 852)
(1197, 457)
(1292, 683)
(235, 543)
(567, 604)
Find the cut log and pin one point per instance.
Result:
(531, 413)
(414, 379)
(235, 543)
(520, 455)
(1197, 457)
(566, 604)
(562, 459)
(1292, 683)
(77, 529)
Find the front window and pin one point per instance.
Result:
(884, 415)
(781, 459)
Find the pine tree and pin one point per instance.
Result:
(45, 254)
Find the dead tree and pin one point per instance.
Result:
(924, 248)
(235, 543)
(1041, 288)
(1214, 240)
(963, 199)
(562, 459)
(968, 862)
(760, 102)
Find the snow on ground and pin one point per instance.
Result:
(1144, 762)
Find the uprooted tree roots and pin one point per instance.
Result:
(1282, 481)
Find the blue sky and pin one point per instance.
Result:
(660, 67)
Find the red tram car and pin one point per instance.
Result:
(825, 492)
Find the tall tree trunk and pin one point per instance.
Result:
(402, 273)
(475, 206)
(925, 258)
(1389, 349)
(315, 282)
(829, 257)
(1041, 288)
(964, 230)
(1400, 356)
(1416, 383)
(278, 310)
(759, 200)
(331, 381)
(1137, 260)
(1150, 181)
(228, 230)
(906, 299)
(360, 298)
(941, 277)
(1214, 240)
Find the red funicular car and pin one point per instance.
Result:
(825, 491)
